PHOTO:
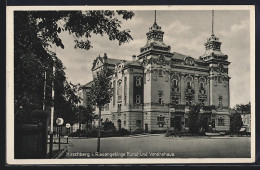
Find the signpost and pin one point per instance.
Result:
(59, 122)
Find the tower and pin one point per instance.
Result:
(218, 76)
(156, 61)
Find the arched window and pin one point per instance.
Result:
(202, 86)
(175, 83)
(188, 85)
(188, 82)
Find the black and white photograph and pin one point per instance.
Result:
(130, 84)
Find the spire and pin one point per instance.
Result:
(155, 38)
(155, 16)
(212, 22)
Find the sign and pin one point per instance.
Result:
(67, 125)
(59, 121)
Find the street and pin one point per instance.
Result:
(182, 147)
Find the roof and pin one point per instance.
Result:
(88, 85)
(132, 63)
(180, 56)
(112, 61)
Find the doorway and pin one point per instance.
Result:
(119, 124)
(177, 123)
(146, 128)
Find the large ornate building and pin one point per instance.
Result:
(154, 90)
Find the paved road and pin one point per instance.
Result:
(182, 147)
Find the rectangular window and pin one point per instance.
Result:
(119, 109)
(160, 121)
(220, 122)
(160, 73)
(124, 123)
(138, 122)
(213, 123)
(175, 100)
(138, 81)
(137, 99)
(125, 99)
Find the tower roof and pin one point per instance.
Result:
(155, 39)
(213, 46)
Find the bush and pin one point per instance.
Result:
(122, 132)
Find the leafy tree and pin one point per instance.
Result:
(83, 115)
(195, 119)
(243, 108)
(101, 93)
(34, 33)
(236, 122)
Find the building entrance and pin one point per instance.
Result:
(146, 128)
(177, 123)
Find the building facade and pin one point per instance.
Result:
(154, 90)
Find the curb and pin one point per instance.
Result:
(61, 154)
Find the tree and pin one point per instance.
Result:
(243, 108)
(101, 93)
(195, 119)
(236, 122)
(34, 33)
(83, 115)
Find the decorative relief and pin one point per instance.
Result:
(189, 61)
(219, 69)
(159, 61)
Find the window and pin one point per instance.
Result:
(202, 101)
(138, 122)
(125, 99)
(124, 123)
(220, 122)
(175, 83)
(175, 100)
(188, 101)
(160, 121)
(213, 123)
(138, 81)
(160, 98)
(220, 79)
(188, 85)
(202, 87)
(220, 101)
(119, 109)
(137, 99)
(160, 73)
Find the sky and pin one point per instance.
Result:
(185, 31)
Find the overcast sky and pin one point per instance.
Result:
(185, 31)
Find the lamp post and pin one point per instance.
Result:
(59, 122)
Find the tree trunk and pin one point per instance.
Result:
(79, 129)
(99, 123)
